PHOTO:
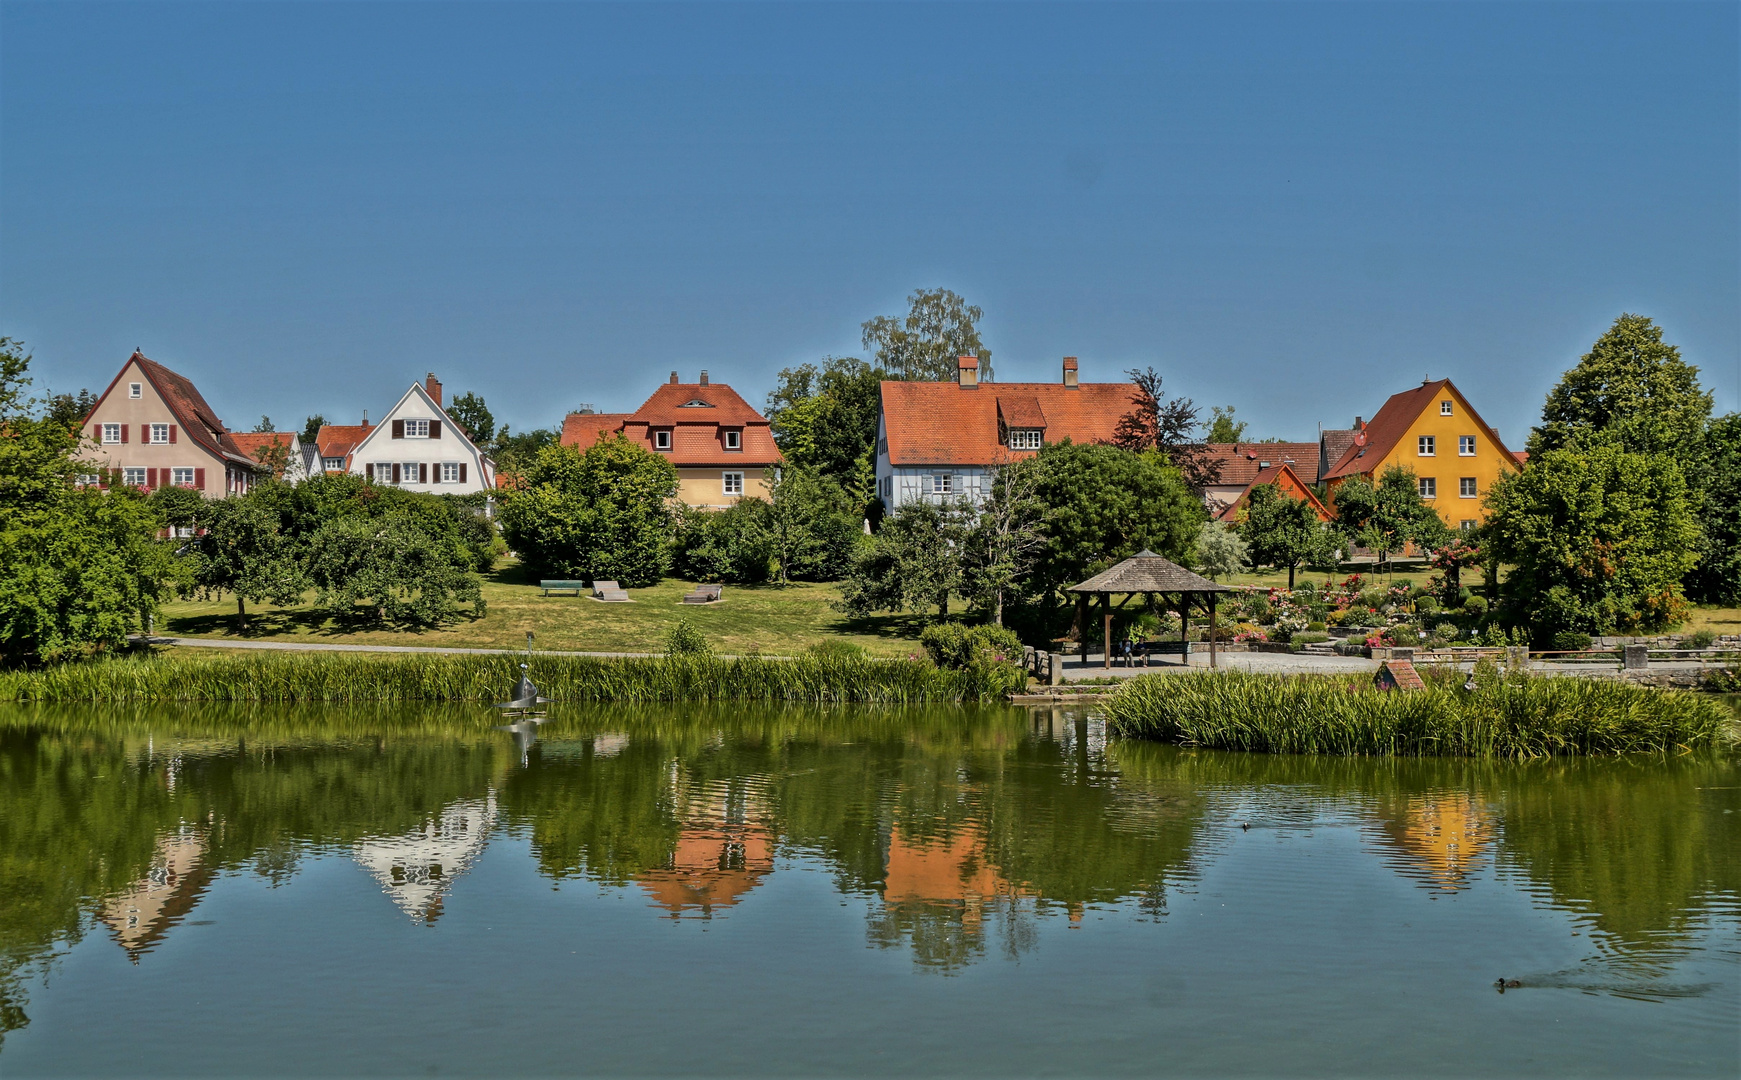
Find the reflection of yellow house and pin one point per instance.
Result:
(1440, 838)
(175, 883)
(417, 868)
(722, 853)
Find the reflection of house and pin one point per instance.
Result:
(721, 854)
(950, 872)
(1439, 839)
(177, 879)
(417, 868)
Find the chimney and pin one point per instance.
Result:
(433, 386)
(1070, 373)
(704, 376)
(1359, 424)
(673, 378)
(365, 418)
(967, 367)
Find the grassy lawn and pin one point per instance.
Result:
(1722, 620)
(764, 618)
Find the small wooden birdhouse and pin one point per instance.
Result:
(1398, 675)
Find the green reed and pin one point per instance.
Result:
(345, 678)
(1518, 717)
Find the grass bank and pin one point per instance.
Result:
(345, 678)
(1325, 714)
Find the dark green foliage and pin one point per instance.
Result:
(1701, 639)
(913, 563)
(734, 545)
(1104, 504)
(241, 548)
(1568, 640)
(311, 429)
(686, 639)
(952, 645)
(1598, 540)
(814, 525)
(601, 515)
(1520, 717)
(1630, 390)
(69, 410)
(1716, 579)
(1282, 531)
(1387, 515)
(825, 419)
(395, 567)
(923, 347)
(515, 452)
(469, 412)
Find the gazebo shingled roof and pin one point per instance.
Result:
(1146, 572)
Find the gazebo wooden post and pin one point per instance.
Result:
(1149, 607)
(1212, 599)
(1185, 629)
(1106, 626)
(1082, 625)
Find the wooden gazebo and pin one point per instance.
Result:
(1148, 575)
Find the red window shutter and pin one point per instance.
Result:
(124, 432)
(462, 472)
(422, 473)
(199, 479)
(172, 434)
(97, 432)
(435, 429)
(150, 478)
(398, 431)
(395, 467)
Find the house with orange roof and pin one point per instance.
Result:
(1289, 482)
(286, 447)
(938, 441)
(152, 428)
(1433, 431)
(334, 443)
(722, 448)
(1240, 464)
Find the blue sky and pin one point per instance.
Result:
(1295, 210)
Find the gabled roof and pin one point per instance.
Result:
(338, 440)
(1241, 462)
(697, 403)
(1147, 572)
(449, 429)
(1275, 474)
(583, 429)
(1393, 422)
(1336, 442)
(945, 423)
(696, 414)
(186, 404)
(251, 443)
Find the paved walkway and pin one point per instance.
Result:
(1076, 668)
(323, 646)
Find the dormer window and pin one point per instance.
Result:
(1026, 438)
(662, 439)
(697, 403)
(134, 390)
(734, 439)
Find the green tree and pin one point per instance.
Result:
(1222, 428)
(1169, 426)
(394, 566)
(1006, 536)
(469, 412)
(311, 429)
(825, 418)
(734, 545)
(514, 452)
(264, 426)
(599, 515)
(70, 410)
(1220, 551)
(923, 347)
(1103, 504)
(1389, 515)
(1281, 531)
(1716, 579)
(241, 548)
(1630, 390)
(913, 563)
(815, 525)
(1598, 541)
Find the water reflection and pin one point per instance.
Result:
(962, 832)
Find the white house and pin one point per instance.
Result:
(416, 446)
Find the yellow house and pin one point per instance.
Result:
(1434, 432)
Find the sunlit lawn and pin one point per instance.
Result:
(769, 619)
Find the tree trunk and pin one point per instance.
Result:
(1290, 577)
(997, 610)
(241, 614)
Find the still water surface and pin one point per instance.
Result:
(761, 891)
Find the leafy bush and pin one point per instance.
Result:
(1446, 630)
(1309, 637)
(1426, 605)
(734, 545)
(685, 639)
(394, 567)
(1475, 605)
(1701, 639)
(952, 645)
(1571, 639)
(1317, 626)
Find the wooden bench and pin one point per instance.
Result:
(704, 594)
(610, 592)
(574, 587)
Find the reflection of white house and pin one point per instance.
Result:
(417, 868)
(416, 446)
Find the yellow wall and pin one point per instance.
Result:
(1447, 467)
(705, 488)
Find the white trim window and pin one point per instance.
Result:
(135, 391)
(159, 434)
(90, 479)
(1025, 438)
(383, 472)
(133, 477)
(417, 429)
(734, 440)
(662, 439)
(408, 472)
(1445, 408)
(1465, 446)
(333, 464)
(1467, 523)
(1429, 487)
(942, 483)
(111, 433)
(181, 477)
(732, 483)
(1466, 487)
(450, 472)
(1427, 445)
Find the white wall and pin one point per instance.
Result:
(452, 447)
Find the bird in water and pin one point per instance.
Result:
(1502, 985)
(1245, 826)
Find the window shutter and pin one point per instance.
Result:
(199, 479)
(395, 467)
(435, 429)
(398, 433)
(123, 432)
(422, 472)
(150, 478)
(462, 472)
(172, 434)
(97, 432)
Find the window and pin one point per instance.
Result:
(1429, 488)
(332, 464)
(734, 440)
(1024, 438)
(111, 433)
(1466, 524)
(383, 472)
(135, 390)
(417, 429)
(1466, 487)
(1444, 408)
(133, 477)
(181, 477)
(734, 483)
(408, 473)
(90, 479)
(450, 472)
(1426, 445)
(942, 484)
(159, 433)
(181, 532)
(662, 440)
(1466, 445)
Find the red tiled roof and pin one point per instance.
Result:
(250, 442)
(583, 429)
(1393, 422)
(338, 440)
(1519, 456)
(1335, 443)
(1020, 411)
(1241, 462)
(696, 415)
(189, 408)
(944, 423)
(1274, 475)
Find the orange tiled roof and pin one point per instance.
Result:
(1242, 462)
(697, 416)
(338, 440)
(581, 430)
(1393, 422)
(1275, 475)
(186, 404)
(250, 443)
(945, 423)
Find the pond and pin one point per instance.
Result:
(633, 891)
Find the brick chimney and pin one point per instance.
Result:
(967, 368)
(704, 376)
(673, 378)
(433, 386)
(1070, 373)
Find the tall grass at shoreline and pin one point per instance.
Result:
(341, 678)
(1530, 717)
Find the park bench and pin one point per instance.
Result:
(574, 587)
(704, 594)
(610, 592)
